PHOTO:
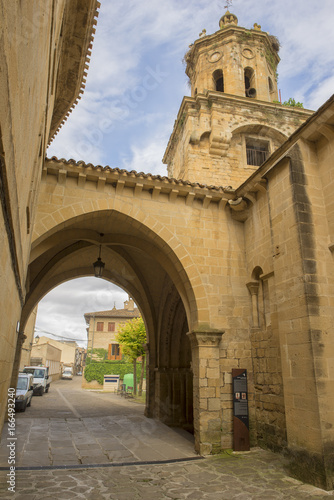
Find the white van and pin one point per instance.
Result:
(67, 372)
(42, 380)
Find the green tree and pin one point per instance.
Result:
(132, 337)
(292, 103)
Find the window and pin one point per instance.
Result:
(111, 327)
(270, 85)
(218, 79)
(99, 326)
(249, 76)
(257, 151)
(115, 349)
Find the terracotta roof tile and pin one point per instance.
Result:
(114, 313)
(133, 173)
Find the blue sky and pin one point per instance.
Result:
(136, 82)
(136, 79)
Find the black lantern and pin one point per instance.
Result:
(98, 266)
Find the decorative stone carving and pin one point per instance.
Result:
(214, 56)
(219, 144)
(205, 339)
(228, 19)
(248, 53)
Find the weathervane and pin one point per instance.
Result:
(228, 4)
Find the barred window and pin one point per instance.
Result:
(257, 151)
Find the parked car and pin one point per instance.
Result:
(67, 372)
(42, 380)
(24, 391)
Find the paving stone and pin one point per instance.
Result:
(258, 475)
(90, 447)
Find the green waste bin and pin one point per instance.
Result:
(128, 380)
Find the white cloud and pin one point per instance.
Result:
(322, 92)
(147, 158)
(62, 310)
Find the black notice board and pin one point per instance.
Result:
(240, 410)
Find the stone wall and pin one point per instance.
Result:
(24, 59)
(34, 56)
(208, 142)
(29, 333)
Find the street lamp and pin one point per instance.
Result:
(98, 266)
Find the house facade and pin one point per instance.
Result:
(47, 355)
(102, 328)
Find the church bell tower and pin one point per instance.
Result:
(233, 121)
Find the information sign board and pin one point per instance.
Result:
(240, 410)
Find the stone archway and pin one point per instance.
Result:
(160, 241)
(141, 263)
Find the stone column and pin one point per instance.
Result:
(206, 387)
(253, 287)
(163, 407)
(150, 384)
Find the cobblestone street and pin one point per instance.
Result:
(75, 444)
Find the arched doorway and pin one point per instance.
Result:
(140, 262)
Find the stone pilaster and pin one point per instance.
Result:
(149, 408)
(206, 384)
(253, 287)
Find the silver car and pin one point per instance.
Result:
(24, 391)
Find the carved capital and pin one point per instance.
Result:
(253, 287)
(205, 339)
(20, 339)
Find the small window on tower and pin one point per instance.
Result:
(249, 76)
(99, 326)
(270, 84)
(218, 79)
(257, 151)
(111, 327)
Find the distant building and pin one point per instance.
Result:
(71, 353)
(103, 326)
(48, 355)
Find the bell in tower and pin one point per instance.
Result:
(233, 121)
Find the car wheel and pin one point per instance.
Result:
(29, 404)
(47, 388)
(24, 406)
(41, 391)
